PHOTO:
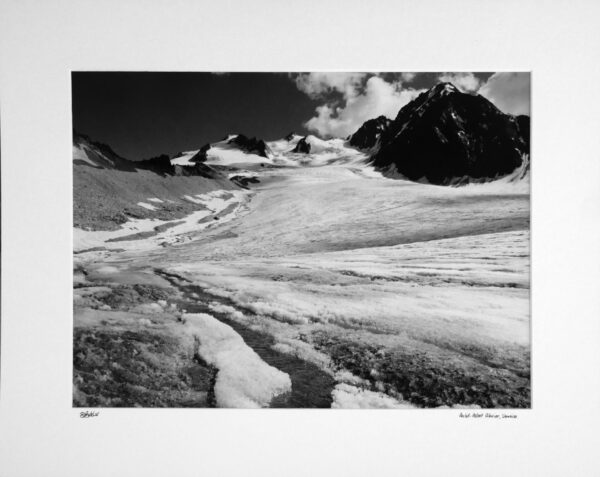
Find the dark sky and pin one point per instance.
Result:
(145, 114)
(141, 115)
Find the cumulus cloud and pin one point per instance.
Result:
(466, 82)
(317, 85)
(408, 77)
(363, 97)
(510, 92)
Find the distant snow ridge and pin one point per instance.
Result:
(313, 151)
(96, 154)
(233, 149)
(244, 380)
(315, 145)
(237, 150)
(184, 158)
(286, 145)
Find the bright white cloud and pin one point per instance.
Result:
(510, 92)
(408, 77)
(318, 84)
(466, 82)
(377, 97)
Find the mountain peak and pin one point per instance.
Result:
(440, 136)
(250, 145)
(442, 89)
(447, 85)
(367, 135)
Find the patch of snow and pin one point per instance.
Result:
(80, 153)
(83, 152)
(281, 146)
(184, 158)
(242, 174)
(346, 377)
(244, 380)
(302, 350)
(192, 199)
(146, 206)
(346, 396)
(155, 199)
(148, 308)
(224, 154)
(107, 270)
(229, 310)
(213, 202)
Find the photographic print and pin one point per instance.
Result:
(303, 240)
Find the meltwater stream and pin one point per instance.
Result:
(311, 387)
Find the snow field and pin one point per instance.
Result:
(469, 290)
(211, 203)
(243, 379)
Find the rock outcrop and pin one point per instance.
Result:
(367, 135)
(302, 146)
(251, 145)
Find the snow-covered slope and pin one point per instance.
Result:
(95, 154)
(110, 191)
(223, 153)
(284, 145)
(392, 280)
(320, 152)
(236, 150)
(183, 158)
(277, 153)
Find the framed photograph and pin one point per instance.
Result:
(361, 239)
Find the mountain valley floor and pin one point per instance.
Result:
(324, 285)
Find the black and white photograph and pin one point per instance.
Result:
(304, 240)
(287, 239)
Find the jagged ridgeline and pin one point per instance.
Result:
(367, 135)
(445, 136)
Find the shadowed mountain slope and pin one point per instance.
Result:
(444, 136)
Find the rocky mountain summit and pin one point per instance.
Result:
(302, 146)
(250, 145)
(444, 136)
(367, 135)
